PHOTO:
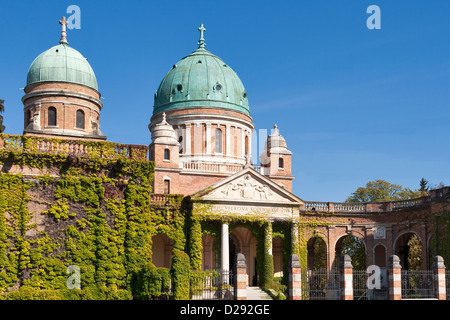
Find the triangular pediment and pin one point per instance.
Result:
(247, 186)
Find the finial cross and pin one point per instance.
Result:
(63, 22)
(201, 42)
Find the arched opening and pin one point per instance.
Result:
(277, 252)
(247, 147)
(280, 163)
(243, 241)
(80, 119)
(208, 253)
(218, 141)
(317, 253)
(408, 247)
(162, 247)
(166, 154)
(51, 116)
(355, 248)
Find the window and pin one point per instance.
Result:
(280, 163)
(218, 141)
(166, 186)
(51, 116)
(166, 154)
(80, 119)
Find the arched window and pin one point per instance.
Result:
(218, 141)
(51, 116)
(180, 141)
(80, 119)
(166, 154)
(247, 149)
(280, 163)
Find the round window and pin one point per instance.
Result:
(179, 87)
(218, 87)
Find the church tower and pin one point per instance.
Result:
(207, 105)
(61, 96)
(276, 160)
(205, 102)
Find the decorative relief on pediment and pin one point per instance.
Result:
(245, 188)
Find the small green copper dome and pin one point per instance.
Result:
(62, 63)
(201, 79)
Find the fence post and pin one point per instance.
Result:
(346, 281)
(439, 278)
(295, 278)
(394, 271)
(241, 278)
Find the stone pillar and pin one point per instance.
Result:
(225, 251)
(346, 281)
(439, 278)
(294, 238)
(394, 270)
(241, 278)
(295, 278)
(228, 140)
(208, 138)
(187, 139)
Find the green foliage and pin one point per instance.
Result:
(381, 190)
(148, 283)
(180, 272)
(100, 219)
(354, 247)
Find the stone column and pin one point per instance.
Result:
(241, 278)
(225, 251)
(346, 282)
(294, 238)
(394, 270)
(208, 138)
(295, 278)
(187, 139)
(228, 140)
(439, 278)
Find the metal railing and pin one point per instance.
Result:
(360, 290)
(212, 285)
(417, 284)
(320, 285)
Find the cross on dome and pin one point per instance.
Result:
(201, 42)
(63, 22)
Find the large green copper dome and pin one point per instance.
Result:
(201, 79)
(62, 63)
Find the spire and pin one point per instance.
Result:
(201, 42)
(63, 22)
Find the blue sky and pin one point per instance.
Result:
(353, 104)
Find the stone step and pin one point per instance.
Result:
(255, 293)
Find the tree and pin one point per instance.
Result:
(381, 190)
(424, 186)
(2, 109)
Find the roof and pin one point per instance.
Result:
(201, 79)
(64, 64)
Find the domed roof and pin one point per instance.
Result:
(201, 79)
(62, 63)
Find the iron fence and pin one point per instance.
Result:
(320, 285)
(417, 284)
(212, 285)
(360, 290)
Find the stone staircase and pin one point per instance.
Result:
(255, 293)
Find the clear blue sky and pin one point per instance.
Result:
(353, 104)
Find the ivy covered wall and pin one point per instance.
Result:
(95, 214)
